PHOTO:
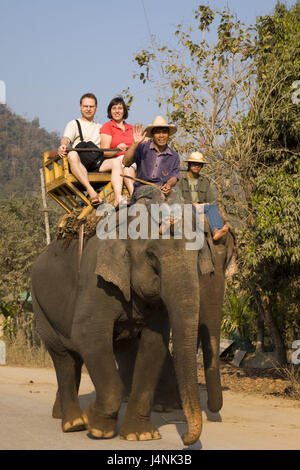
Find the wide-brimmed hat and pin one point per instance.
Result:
(160, 121)
(196, 157)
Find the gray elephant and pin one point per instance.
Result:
(211, 289)
(142, 287)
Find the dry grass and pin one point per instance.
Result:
(292, 374)
(20, 353)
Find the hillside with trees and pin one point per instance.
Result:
(21, 146)
(22, 225)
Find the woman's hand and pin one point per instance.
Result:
(122, 147)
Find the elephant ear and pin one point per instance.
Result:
(113, 264)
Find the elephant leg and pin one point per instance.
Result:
(211, 301)
(210, 347)
(125, 357)
(68, 370)
(150, 358)
(97, 353)
(166, 397)
(57, 410)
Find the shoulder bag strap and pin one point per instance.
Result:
(80, 131)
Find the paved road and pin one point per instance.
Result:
(245, 422)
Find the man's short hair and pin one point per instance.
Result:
(114, 101)
(89, 95)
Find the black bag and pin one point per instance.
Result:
(91, 160)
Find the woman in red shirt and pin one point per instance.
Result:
(118, 134)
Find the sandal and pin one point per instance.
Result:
(96, 201)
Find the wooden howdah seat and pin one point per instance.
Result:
(66, 190)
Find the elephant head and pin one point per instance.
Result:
(163, 271)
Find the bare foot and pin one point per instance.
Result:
(220, 232)
(121, 202)
(96, 200)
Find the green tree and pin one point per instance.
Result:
(271, 244)
(22, 239)
(231, 98)
(35, 122)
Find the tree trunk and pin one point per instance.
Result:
(263, 303)
(260, 334)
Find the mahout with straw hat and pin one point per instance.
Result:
(197, 189)
(160, 121)
(196, 157)
(157, 163)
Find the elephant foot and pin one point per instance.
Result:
(215, 403)
(75, 424)
(75, 420)
(99, 426)
(56, 410)
(139, 431)
(214, 389)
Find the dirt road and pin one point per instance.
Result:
(245, 422)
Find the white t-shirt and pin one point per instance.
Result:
(90, 132)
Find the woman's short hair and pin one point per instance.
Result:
(114, 101)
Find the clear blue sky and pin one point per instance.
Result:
(53, 51)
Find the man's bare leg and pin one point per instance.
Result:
(80, 172)
(114, 165)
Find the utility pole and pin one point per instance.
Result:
(45, 207)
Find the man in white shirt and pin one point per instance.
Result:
(90, 133)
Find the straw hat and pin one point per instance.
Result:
(159, 121)
(196, 157)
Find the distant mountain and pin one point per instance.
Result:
(21, 146)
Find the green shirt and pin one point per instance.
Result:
(193, 185)
(206, 192)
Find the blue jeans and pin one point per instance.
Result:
(213, 216)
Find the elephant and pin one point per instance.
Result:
(124, 297)
(211, 289)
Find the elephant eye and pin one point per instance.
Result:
(153, 261)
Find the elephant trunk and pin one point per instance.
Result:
(182, 303)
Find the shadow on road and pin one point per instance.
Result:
(161, 419)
